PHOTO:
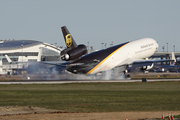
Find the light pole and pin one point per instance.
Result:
(102, 45)
(88, 45)
(174, 48)
(105, 45)
(167, 47)
(111, 44)
(22, 51)
(163, 48)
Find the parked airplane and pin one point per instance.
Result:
(157, 67)
(172, 67)
(134, 53)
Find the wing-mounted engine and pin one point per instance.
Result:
(73, 54)
(148, 67)
(143, 65)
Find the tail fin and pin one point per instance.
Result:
(70, 43)
(72, 52)
(8, 59)
(174, 59)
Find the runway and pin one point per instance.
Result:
(80, 81)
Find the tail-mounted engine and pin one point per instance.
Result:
(75, 53)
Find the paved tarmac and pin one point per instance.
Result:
(81, 81)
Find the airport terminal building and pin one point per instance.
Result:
(26, 50)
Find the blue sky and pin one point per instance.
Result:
(93, 21)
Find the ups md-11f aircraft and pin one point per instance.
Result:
(134, 53)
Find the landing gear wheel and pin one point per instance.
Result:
(126, 75)
(144, 79)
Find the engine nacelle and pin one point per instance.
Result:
(147, 67)
(72, 54)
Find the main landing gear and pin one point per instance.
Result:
(144, 79)
(126, 75)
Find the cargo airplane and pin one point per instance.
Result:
(134, 53)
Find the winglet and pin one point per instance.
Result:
(8, 59)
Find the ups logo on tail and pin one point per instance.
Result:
(68, 40)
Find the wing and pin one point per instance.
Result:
(58, 63)
(141, 63)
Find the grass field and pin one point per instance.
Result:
(95, 97)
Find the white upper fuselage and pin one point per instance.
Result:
(126, 54)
